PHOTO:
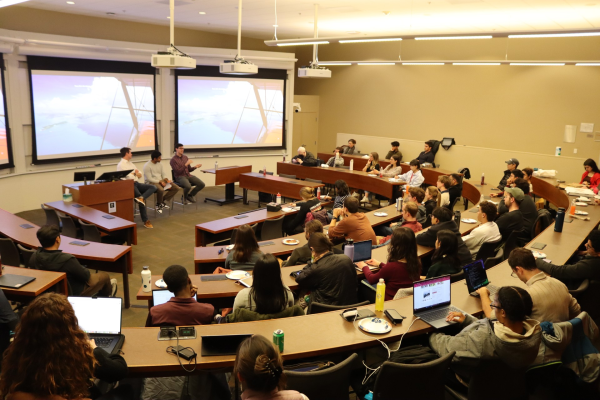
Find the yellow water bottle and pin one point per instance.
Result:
(380, 296)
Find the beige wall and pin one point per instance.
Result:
(504, 107)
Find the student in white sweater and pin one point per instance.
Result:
(486, 232)
(154, 174)
(268, 294)
(443, 183)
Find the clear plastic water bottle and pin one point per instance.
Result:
(146, 277)
(278, 198)
(351, 165)
(380, 295)
(349, 249)
(216, 165)
(264, 170)
(319, 193)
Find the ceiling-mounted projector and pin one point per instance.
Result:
(314, 71)
(174, 59)
(239, 66)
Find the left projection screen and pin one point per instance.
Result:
(5, 150)
(87, 114)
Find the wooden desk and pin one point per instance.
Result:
(44, 280)
(100, 256)
(227, 176)
(100, 194)
(116, 226)
(288, 188)
(359, 160)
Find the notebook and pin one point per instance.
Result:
(162, 296)
(15, 281)
(221, 345)
(476, 277)
(431, 301)
(100, 318)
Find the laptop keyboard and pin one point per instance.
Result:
(439, 314)
(493, 289)
(103, 341)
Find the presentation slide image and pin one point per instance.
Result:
(3, 140)
(232, 112)
(96, 316)
(84, 113)
(432, 293)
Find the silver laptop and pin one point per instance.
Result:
(100, 318)
(162, 296)
(476, 278)
(431, 301)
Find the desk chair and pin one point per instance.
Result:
(272, 229)
(487, 250)
(184, 202)
(412, 381)
(515, 239)
(9, 253)
(330, 383)
(459, 276)
(25, 254)
(68, 226)
(493, 261)
(583, 286)
(451, 205)
(92, 234)
(51, 216)
(317, 308)
(543, 220)
(155, 197)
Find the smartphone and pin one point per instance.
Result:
(240, 216)
(394, 316)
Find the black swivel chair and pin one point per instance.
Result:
(9, 254)
(68, 226)
(25, 254)
(51, 216)
(92, 234)
(272, 229)
(514, 240)
(487, 250)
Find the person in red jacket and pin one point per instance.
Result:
(403, 266)
(591, 176)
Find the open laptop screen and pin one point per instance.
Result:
(475, 276)
(98, 315)
(431, 293)
(362, 251)
(162, 296)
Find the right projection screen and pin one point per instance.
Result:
(221, 112)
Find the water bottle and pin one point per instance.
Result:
(264, 170)
(351, 165)
(349, 249)
(216, 165)
(560, 220)
(482, 179)
(381, 173)
(572, 210)
(146, 284)
(457, 218)
(380, 296)
(278, 198)
(397, 203)
(284, 158)
(319, 193)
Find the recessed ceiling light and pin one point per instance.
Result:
(201, 12)
(303, 43)
(588, 64)
(370, 40)
(376, 63)
(475, 63)
(168, 17)
(422, 63)
(453, 37)
(70, 2)
(534, 64)
(546, 35)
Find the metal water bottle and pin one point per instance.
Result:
(351, 165)
(349, 248)
(146, 284)
(560, 220)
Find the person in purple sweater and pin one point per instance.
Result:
(396, 274)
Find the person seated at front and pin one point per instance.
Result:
(268, 294)
(455, 189)
(403, 266)
(245, 250)
(51, 357)
(155, 175)
(182, 168)
(295, 223)
(81, 281)
(414, 177)
(486, 232)
(182, 308)
(444, 260)
(431, 199)
(427, 155)
(304, 157)
(409, 220)
(141, 190)
(551, 298)
(527, 205)
(443, 183)
(336, 160)
(591, 176)
(511, 336)
(355, 225)
(330, 278)
(586, 268)
(395, 144)
(441, 218)
(351, 147)
(259, 367)
(372, 167)
(513, 219)
(511, 164)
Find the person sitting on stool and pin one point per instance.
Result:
(182, 166)
(141, 190)
(155, 176)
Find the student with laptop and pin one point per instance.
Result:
(52, 356)
(81, 281)
(403, 266)
(444, 260)
(441, 219)
(486, 232)
(182, 309)
(355, 225)
(330, 278)
(245, 250)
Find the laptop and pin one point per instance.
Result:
(221, 345)
(362, 250)
(100, 318)
(13, 281)
(476, 277)
(162, 296)
(431, 301)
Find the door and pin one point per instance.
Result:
(306, 130)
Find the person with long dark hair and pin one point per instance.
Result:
(403, 266)
(268, 294)
(259, 367)
(341, 192)
(445, 259)
(591, 176)
(245, 250)
(51, 356)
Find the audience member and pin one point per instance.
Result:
(336, 160)
(295, 223)
(441, 219)
(301, 255)
(372, 167)
(259, 367)
(443, 183)
(455, 189)
(444, 260)
(513, 219)
(81, 281)
(511, 164)
(182, 308)
(591, 176)
(527, 205)
(427, 155)
(155, 176)
(52, 358)
(182, 168)
(551, 298)
(394, 168)
(586, 268)
(330, 278)
(355, 225)
(8, 323)
(510, 182)
(409, 220)
(341, 192)
(245, 250)
(268, 294)
(527, 174)
(431, 199)
(304, 158)
(414, 177)
(403, 266)
(141, 190)
(394, 150)
(349, 149)
(486, 232)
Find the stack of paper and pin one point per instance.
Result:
(571, 191)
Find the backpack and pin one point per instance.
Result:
(318, 213)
